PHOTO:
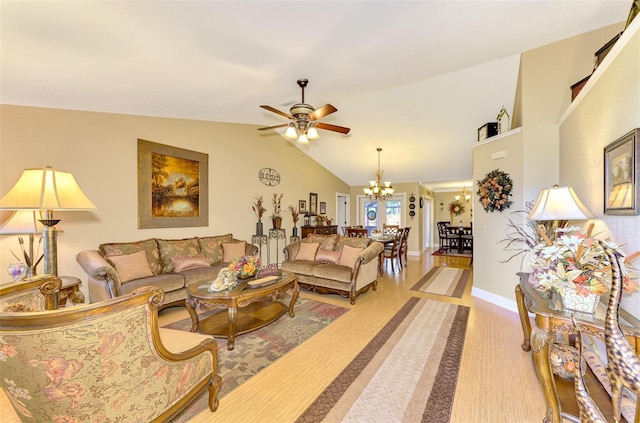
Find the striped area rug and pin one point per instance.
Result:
(448, 281)
(407, 373)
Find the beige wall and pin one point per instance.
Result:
(533, 154)
(100, 149)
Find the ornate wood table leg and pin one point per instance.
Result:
(294, 297)
(193, 314)
(233, 310)
(540, 341)
(524, 319)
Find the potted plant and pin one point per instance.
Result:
(294, 216)
(276, 218)
(259, 209)
(576, 266)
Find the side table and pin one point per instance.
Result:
(70, 289)
(277, 234)
(260, 240)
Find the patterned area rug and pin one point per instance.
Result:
(447, 281)
(407, 373)
(256, 350)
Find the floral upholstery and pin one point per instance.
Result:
(87, 364)
(176, 248)
(211, 247)
(32, 294)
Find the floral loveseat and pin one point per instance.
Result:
(104, 362)
(334, 264)
(171, 264)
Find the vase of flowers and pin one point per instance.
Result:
(276, 218)
(294, 216)
(245, 267)
(575, 265)
(258, 209)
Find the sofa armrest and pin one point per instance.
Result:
(249, 249)
(101, 274)
(291, 250)
(371, 252)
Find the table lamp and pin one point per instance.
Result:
(24, 222)
(557, 205)
(49, 190)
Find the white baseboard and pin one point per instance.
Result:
(495, 299)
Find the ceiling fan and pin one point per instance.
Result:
(304, 119)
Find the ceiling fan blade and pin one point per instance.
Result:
(273, 127)
(334, 128)
(271, 109)
(323, 111)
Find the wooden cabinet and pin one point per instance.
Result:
(321, 230)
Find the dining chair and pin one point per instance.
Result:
(390, 230)
(392, 251)
(404, 244)
(357, 232)
(447, 239)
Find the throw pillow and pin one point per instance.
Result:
(326, 256)
(176, 248)
(211, 247)
(349, 255)
(123, 248)
(233, 250)
(131, 266)
(307, 251)
(181, 264)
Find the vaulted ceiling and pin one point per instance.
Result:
(415, 78)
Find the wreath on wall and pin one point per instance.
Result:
(494, 191)
(456, 208)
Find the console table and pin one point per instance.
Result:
(321, 230)
(551, 322)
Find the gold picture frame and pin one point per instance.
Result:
(172, 186)
(621, 168)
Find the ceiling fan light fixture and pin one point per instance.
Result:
(302, 139)
(291, 132)
(312, 133)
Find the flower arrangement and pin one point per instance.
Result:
(245, 266)
(576, 260)
(294, 214)
(494, 191)
(30, 260)
(456, 208)
(276, 204)
(258, 207)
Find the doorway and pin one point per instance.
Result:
(342, 210)
(374, 214)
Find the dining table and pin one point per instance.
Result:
(460, 231)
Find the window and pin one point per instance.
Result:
(374, 214)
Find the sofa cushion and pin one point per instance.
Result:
(334, 272)
(211, 247)
(168, 282)
(233, 250)
(299, 267)
(327, 242)
(176, 248)
(180, 264)
(131, 266)
(349, 255)
(307, 251)
(328, 257)
(149, 246)
(200, 275)
(352, 242)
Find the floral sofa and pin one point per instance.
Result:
(104, 362)
(334, 264)
(170, 264)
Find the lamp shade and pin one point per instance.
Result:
(22, 222)
(558, 203)
(46, 189)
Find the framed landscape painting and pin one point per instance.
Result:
(621, 175)
(172, 186)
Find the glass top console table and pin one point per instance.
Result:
(552, 322)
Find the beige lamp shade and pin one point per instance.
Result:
(46, 189)
(22, 222)
(558, 203)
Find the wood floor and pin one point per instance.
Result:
(496, 381)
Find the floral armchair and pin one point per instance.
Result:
(101, 362)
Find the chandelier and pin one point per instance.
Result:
(465, 195)
(376, 191)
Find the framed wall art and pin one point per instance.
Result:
(313, 203)
(302, 206)
(323, 207)
(172, 186)
(621, 175)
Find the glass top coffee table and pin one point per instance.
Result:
(250, 305)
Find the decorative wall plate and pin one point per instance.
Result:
(269, 177)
